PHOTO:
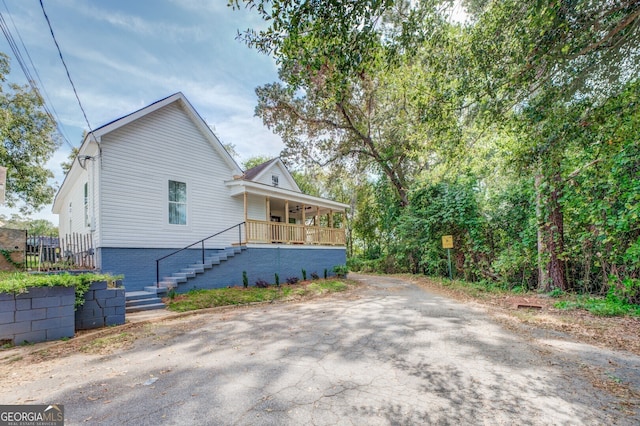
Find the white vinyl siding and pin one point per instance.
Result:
(72, 215)
(138, 161)
(275, 175)
(256, 207)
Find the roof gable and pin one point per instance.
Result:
(198, 121)
(92, 142)
(273, 166)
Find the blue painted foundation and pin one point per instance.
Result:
(261, 263)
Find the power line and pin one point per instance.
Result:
(66, 68)
(25, 69)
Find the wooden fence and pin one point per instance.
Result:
(71, 251)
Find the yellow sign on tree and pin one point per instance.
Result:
(447, 241)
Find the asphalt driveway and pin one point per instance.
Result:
(388, 353)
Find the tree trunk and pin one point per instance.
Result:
(543, 276)
(555, 237)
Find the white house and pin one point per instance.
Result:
(158, 180)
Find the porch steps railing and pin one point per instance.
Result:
(202, 248)
(191, 271)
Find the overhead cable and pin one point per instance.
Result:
(66, 68)
(27, 73)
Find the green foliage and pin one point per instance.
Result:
(19, 282)
(304, 275)
(255, 161)
(245, 279)
(516, 132)
(556, 292)
(277, 280)
(28, 142)
(609, 306)
(341, 271)
(33, 226)
(7, 256)
(172, 294)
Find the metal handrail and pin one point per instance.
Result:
(239, 226)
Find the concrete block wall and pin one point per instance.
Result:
(261, 262)
(40, 314)
(102, 307)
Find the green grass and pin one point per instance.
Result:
(201, 299)
(474, 289)
(609, 306)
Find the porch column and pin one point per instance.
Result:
(304, 226)
(246, 217)
(268, 200)
(287, 237)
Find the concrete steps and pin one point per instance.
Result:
(136, 301)
(191, 271)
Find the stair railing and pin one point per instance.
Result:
(201, 242)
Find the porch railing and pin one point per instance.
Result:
(276, 232)
(202, 248)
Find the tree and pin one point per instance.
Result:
(347, 97)
(254, 161)
(548, 65)
(33, 226)
(28, 142)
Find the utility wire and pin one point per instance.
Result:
(25, 69)
(66, 68)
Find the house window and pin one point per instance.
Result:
(86, 204)
(274, 180)
(177, 203)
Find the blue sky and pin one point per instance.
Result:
(123, 55)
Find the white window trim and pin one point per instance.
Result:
(165, 208)
(85, 204)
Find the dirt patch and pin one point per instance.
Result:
(617, 333)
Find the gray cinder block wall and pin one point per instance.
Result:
(48, 313)
(102, 307)
(40, 314)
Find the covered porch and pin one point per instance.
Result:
(278, 216)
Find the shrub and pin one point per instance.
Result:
(630, 291)
(304, 275)
(277, 280)
(262, 283)
(292, 280)
(325, 273)
(341, 270)
(556, 292)
(314, 276)
(245, 279)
